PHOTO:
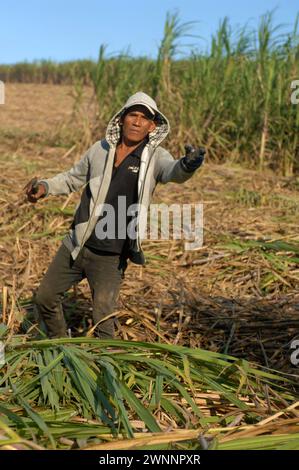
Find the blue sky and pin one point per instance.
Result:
(74, 29)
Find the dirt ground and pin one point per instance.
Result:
(237, 294)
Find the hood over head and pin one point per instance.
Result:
(113, 132)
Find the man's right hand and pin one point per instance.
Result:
(34, 190)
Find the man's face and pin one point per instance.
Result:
(137, 123)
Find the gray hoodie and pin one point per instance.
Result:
(95, 169)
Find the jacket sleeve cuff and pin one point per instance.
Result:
(45, 184)
(183, 165)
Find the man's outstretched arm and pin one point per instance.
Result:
(178, 171)
(63, 183)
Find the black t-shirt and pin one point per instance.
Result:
(124, 182)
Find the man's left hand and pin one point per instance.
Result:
(193, 158)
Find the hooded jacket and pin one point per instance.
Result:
(95, 170)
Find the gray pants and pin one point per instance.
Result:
(104, 276)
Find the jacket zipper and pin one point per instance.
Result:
(91, 215)
(140, 198)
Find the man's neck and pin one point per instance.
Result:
(128, 145)
(125, 147)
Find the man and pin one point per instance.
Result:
(127, 164)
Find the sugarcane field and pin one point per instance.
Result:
(205, 349)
